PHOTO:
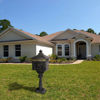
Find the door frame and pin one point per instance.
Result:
(87, 47)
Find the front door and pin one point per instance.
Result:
(81, 50)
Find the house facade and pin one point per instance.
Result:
(69, 43)
(16, 43)
(75, 44)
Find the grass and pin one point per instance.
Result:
(63, 82)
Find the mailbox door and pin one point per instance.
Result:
(39, 66)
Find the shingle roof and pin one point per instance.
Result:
(36, 37)
(96, 38)
(49, 37)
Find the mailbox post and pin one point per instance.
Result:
(40, 64)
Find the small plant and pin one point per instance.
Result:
(61, 60)
(53, 61)
(97, 57)
(22, 59)
(73, 58)
(53, 57)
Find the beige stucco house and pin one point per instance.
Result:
(15, 43)
(69, 43)
(75, 44)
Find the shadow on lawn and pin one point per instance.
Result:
(16, 86)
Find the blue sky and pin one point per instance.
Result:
(35, 16)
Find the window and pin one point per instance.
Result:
(66, 49)
(6, 51)
(17, 50)
(59, 48)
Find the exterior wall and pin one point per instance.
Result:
(72, 45)
(46, 50)
(28, 50)
(95, 49)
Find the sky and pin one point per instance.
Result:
(51, 16)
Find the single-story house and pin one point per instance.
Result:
(16, 43)
(69, 43)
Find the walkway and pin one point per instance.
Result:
(76, 62)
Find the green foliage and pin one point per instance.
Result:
(90, 30)
(61, 60)
(43, 34)
(22, 59)
(97, 58)
(73, 58)
(5, 60)
(53, 61)
(4, 24)
(53, 57)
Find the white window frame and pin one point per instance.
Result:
(18, 50)
(63, 49)
(57, 49)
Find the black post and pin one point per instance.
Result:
(40, 89)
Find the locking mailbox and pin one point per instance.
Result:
(40, 64)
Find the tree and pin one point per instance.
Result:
(43, 34)
(4, 24)
(90, 30)
(99, 33)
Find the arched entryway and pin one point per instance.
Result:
(81, 50)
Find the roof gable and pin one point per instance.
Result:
(12, 34)
(68, 34)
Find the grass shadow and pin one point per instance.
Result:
(16, 86)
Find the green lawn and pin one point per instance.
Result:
(64, 82)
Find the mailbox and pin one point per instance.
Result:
(40, 64)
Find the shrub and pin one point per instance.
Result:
(97, 57)
(28, 60)
(22, 59)
(53, 61)
(60, 60)
(73, 58)
(53, 57)
(3, 60)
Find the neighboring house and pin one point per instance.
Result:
(15, 43)
(69, 43)
(75, 44)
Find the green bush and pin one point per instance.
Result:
(22, 59)
(97, 57)
(53, 57)
(53, 61)
(61, 60)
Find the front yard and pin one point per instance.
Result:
(63, 82)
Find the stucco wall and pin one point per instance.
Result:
(95, 49)
(28, 50)
(46, 50)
